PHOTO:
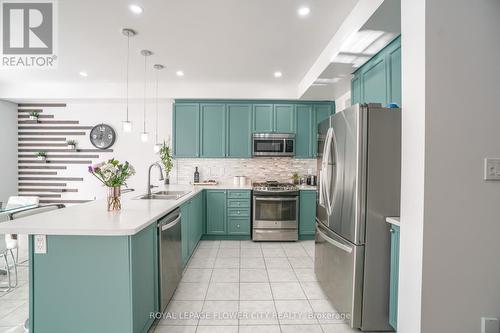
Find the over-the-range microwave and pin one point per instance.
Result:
(273, 144)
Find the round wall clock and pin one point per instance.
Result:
(102, 136)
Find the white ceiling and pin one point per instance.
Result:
(227, 47)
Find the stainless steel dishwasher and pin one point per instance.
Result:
(169, 235)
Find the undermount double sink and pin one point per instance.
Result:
(164, 195)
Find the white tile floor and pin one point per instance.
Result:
(229, 286)
(233, 286)
(14, 304)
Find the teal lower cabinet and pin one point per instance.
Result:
(238, 212)
(307, 214)
(228, 214)
(185, 221)
(191, 225)
(105, 278)
(394, 277)
(216, 212)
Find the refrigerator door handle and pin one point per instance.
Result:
(326, 181)
(335, 243)
(323, 173)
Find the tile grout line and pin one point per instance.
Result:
(270, 287)
(307, 298)
(208, 287)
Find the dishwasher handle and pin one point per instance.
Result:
(167, 226)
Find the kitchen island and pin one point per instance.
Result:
(100, 270)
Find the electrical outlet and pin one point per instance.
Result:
(489, 325)
(40, 244)
(492, 169)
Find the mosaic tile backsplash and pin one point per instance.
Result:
(256, 169)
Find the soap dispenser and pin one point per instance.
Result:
(196, 175)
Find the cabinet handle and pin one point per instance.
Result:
(238, 212)
(237, 225)
(391, 230)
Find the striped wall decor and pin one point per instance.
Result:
(47, 179)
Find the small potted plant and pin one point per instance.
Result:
(71, 144)
(167, 160)
(113, 174)
(41, 156)
(34, 115)
(295, 178)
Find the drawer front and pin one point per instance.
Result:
(237, 203)
(238, 212)
(231, 194)
(239, 226)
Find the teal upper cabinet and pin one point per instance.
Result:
(394, 67)
(213, 130)
(239, 130)
(223, 128)
(320, 113)
(323, 111)
(284, 118)
(304, 132)
(379, 80)
(356, 89)
(274, 118)
(374, 82)
(216, 212)
(186, 130)
(263, 118)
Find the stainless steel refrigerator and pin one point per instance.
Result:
(359, 158)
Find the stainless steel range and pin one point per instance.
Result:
(275, 211)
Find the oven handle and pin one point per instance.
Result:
(275, 199)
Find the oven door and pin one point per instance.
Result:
(273, 212)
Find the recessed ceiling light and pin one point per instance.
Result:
(136, 9)
(278, 74)
(84, 74)
(179, 73)
(303, 11)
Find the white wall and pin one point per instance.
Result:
(412, 164)
(8, 150)
(450, 239)
(343, 101)
(128, 146)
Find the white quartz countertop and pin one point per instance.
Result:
(393, 220)
(92, 218)
(307, 188)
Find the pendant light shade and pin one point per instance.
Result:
(127, 124)
(157, 146)
(145, 134)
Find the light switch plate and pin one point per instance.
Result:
(40, 244)
(489, 325)
(492, 169)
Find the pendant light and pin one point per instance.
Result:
(157, 146)
(144, 134)
(127, 124)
